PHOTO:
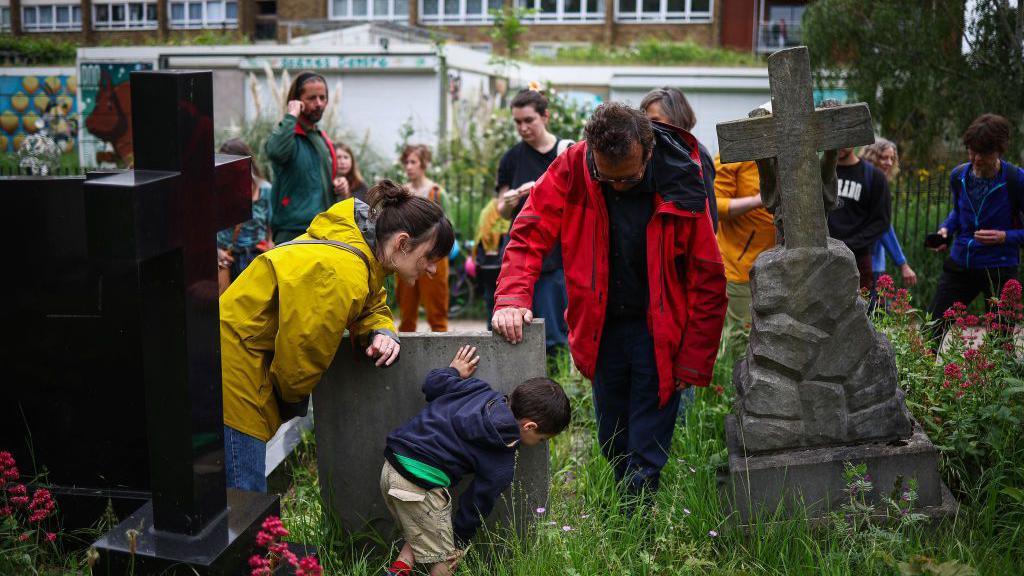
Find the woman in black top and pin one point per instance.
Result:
(349, 177)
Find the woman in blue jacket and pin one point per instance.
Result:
(988, 195)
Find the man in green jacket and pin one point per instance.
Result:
(303, 159)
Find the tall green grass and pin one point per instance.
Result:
(583, 531)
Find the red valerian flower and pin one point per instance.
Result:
(885, 286)
(309, 566)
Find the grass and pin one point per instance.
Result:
(675, 537)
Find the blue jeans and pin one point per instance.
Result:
(549, 303)
(635, 435)
(245, 461)
(685, 400)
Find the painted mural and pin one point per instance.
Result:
(30, 103)
(106, 134)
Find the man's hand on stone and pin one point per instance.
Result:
(466, 361)
(384, 349)
(295, 108)
(508, 322)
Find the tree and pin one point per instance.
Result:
(922, 67)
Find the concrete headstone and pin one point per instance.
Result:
(357, 404)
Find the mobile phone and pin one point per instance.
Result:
(934, 240)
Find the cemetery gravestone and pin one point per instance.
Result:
(817, 386)
(78, 410)
(142, 244)
(357, 405)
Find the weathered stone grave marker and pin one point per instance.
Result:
(357, 405)
(817, 386)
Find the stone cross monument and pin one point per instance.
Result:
(816, 373)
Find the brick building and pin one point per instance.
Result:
(747, 25)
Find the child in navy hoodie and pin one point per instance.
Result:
(466, 428)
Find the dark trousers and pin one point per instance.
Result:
(959, 284)
(549, 302)
(635, 435)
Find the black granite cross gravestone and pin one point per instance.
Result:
(159, 221)
(793, 134)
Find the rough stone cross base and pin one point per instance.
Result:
(816, 372)
(809, 482)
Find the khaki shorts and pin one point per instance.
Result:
(424, 516)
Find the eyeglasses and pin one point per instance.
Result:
(596, 176)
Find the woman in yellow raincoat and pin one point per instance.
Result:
(282, 319)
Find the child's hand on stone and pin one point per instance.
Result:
(466, 361)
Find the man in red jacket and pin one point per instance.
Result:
(643, 273)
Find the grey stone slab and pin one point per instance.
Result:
(771, 394)
(357, 405)
(811, 482)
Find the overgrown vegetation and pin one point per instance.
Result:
(583, 531)
(28, 50)
(651, 52)
(33, 51)
(911, 63)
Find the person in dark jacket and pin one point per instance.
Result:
(645, 279)
(986, 220)
(303, 160)
(864, 210)
(669, 106)
(466, 428)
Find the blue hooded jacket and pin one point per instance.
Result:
(466, 428)
(998, 209)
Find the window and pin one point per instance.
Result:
(588, 11)
(204, 14)
(49, 18)
(389, 10)
(124, 15)
(458, 11)
(5, 19)
(663, 11)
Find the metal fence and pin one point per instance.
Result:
(920, 202)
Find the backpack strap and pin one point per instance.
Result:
(340, 246)
(562, 146)
(1015, 190)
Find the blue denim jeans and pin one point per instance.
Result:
(549, 303)
(245, 461)
(634, 433)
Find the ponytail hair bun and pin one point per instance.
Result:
(386, 194)
(394, 209)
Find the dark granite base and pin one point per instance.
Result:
(222, 549)
(811, 481)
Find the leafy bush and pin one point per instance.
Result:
(654, 52)
(970, 401)
(38, 51)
